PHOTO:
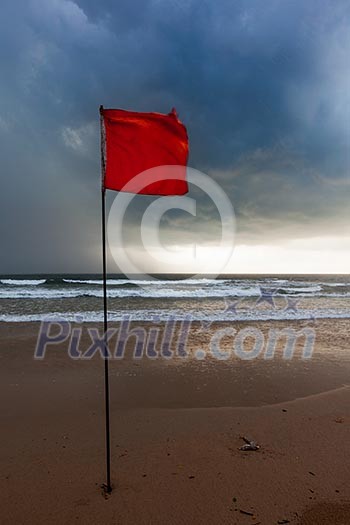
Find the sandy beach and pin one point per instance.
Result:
(176, 431)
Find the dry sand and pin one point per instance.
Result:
(176, 428)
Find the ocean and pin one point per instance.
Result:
(79, 298)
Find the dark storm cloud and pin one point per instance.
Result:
(263, 88)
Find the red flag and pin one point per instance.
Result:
(135, 142)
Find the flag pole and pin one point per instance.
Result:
(107, 485)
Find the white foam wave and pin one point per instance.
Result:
(179, 315)
(154, 292)
(22, 282)
(140, 282)
(302, 289)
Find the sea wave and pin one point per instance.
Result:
(126, 291)
(71, 287)
(61, 281)
(147, 282)
(162, 315)
(22, 282)
(120, 292)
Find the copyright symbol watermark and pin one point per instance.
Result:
(194, 256)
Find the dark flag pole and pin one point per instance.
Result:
(107, 486)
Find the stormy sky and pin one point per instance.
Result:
(263, 88)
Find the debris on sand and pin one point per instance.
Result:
(249, 444)
(246, 512)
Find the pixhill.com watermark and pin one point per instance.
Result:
(171, 340)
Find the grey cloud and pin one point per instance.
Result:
(262, 88)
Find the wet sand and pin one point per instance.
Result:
(176, 431)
